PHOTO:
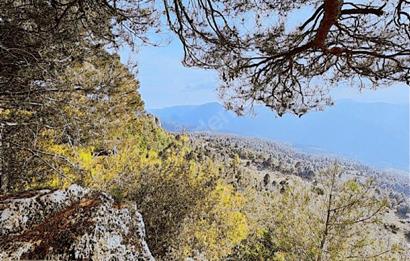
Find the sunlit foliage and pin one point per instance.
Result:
(335, 220)
(40, 39)
(107, 142)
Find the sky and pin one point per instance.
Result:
(166, 82)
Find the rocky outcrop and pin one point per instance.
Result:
(70, 224)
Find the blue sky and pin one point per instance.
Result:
(166, 82)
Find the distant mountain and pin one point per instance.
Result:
(373, 133)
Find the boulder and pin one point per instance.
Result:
(71, 224)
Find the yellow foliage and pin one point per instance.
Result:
(109, 145)
(217, 225)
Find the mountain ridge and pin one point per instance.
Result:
(372, 133)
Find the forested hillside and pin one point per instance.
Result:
(353, 130)
(84, 167)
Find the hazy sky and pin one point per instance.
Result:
(166, 82)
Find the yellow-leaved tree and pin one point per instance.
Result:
(109, 143)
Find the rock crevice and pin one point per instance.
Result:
(70, 224)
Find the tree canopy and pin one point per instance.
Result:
(288, 54)
(39, 40)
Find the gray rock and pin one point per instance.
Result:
(70, 224)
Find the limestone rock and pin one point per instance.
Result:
(70, 224)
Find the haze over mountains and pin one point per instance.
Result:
(372, 133)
